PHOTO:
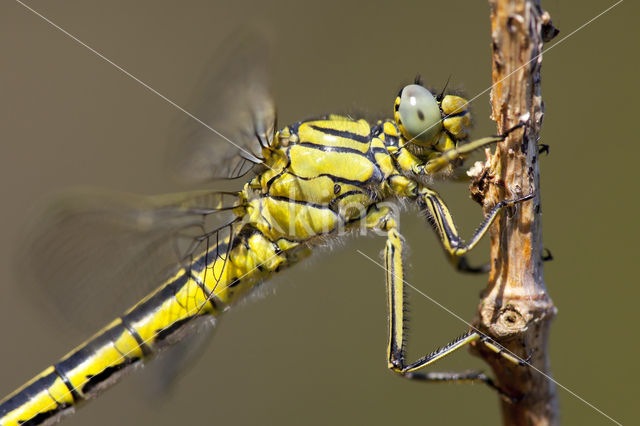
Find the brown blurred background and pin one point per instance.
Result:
(314, 353)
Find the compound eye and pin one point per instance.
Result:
(418, 115)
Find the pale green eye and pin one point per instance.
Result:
(418, 115)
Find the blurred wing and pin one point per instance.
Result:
(165, 372)
(93, 255)
(235, 113)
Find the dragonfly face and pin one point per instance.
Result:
(429, 125)
(308, 181)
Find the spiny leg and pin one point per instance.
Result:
(459, 152)
(383, 219)
(410, 371)
(443, 160)
(442, 221)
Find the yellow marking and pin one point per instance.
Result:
(341, 123)
(39, 403)
(350, 206)
(281, 218)
(317, 190)
(360, 128)
(191, 297)
(149, 325)
(444, 143)
(286, 244)
(453, 104)
(441, 216)
(263, 253)
(407, 161)
(383, 159)
(248, 265)
(282, 138)
(396, 276)
(338, 118)
(390, 129)
(103, 358)
(310, 163)
(458, 126)
(60, 392)
(402, 185)
(127, 344)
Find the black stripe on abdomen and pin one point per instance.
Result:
(146, 349)
(342, 134)
(26, 394)
(72, 390)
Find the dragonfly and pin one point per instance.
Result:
(200, 252)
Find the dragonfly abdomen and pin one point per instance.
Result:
(201, 289)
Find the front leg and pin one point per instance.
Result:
(430, 202)
(382, 218)
(460, 152)
(450, 156)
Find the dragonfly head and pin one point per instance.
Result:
(430, 123)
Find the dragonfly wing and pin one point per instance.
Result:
(92, 255)
(165, 372)
(234, 110)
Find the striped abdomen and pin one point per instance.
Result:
(203, 289)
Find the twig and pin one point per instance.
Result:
(515, 308)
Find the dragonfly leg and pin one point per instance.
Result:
(442, 221)
(397, 304)
(462, 151)
(397, 365)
